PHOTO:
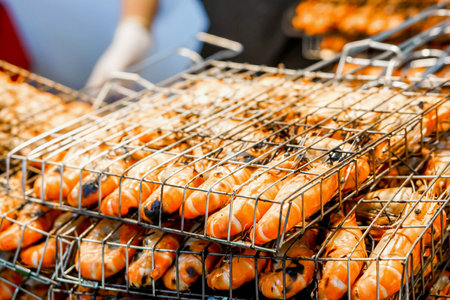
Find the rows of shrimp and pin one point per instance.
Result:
(359, 251)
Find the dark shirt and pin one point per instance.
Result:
(257, 24)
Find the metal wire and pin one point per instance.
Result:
(245, 101)
(29, 117)
(432, 253)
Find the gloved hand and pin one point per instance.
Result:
(131, 43)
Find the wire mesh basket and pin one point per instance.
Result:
(122, 258)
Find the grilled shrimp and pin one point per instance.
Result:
(128, 194)
(44, 254)
(430, 123)
(168, 199)
(367, 211)
(335, 279)
(437, 164)
(98, 185)
(94, 254)
(6, 289)
(223, 180)
(242, 269)
(270, 226)
(55, 185)
(265, 187)
(386, 274)
(34, 217)
(295, 274)
(441, 287)
(152, 263)
(7, 205)
(191, 266)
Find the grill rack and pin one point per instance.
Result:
(225, 69)
(67, 95)
(432, 255)
(27, 289)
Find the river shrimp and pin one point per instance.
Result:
(44, 254)
(94, 254)
(242, 213)
(286, 280)
(191, 266)
(6, 288)
(384, 277)
(58, 183)
(242, 270)
(222, 181)
(312, 196)
(97, 185)
(411, 139)
(7, 205)
(376, 201)
(152, 262)
(437, 164)
(132, 190)
(24, 232)
(167, 199)
(333, 285)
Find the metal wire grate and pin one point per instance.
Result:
(381, 217)
(249, 117)
(31, 105)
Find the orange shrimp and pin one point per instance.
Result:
(6, 288)
(222, 180)
(129, 192)
(368, 211)
(34, 217)
(270, 226)
(44, 254)
(296, 274)
(191, 266)
(96, 185)
(265, 186)
(51, 186)
(7, 205)
(415, 132)
(441, 287)
(152, 263)
(167, 199)
(242, 269)
(384, 276)
(437, 164)
(335, 279)
(93, 256)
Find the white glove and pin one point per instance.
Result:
(131, 43)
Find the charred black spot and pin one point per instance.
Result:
(57, 169)
(316, 79)
(144, 279)
(292, 272)
(418, 211)
(244, 157)
(90, 187)
(38, 213)
(420, 104)
(152, 213)
(191, 272)
(300, 268)
(335, 155)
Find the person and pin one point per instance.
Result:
(81, 42)
(258, 26)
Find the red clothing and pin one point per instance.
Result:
(11, 48)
